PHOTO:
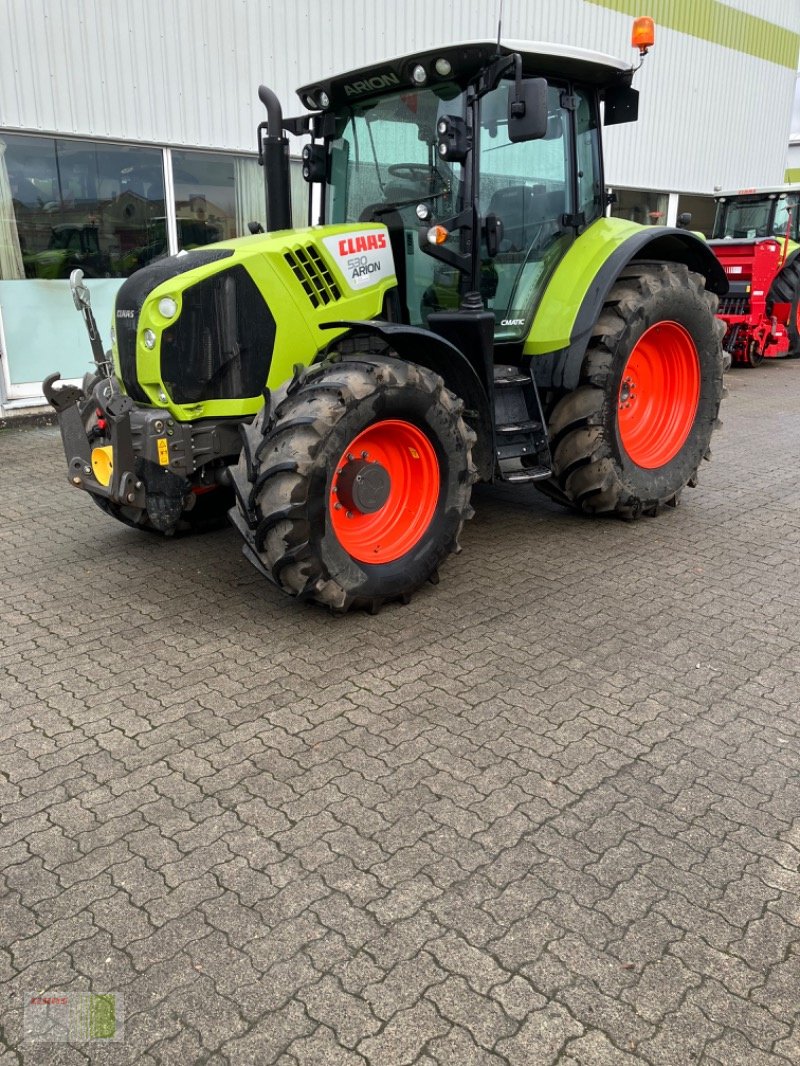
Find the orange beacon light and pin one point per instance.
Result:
(643, 35)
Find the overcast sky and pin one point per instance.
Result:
(796, 111)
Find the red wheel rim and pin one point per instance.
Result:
(658, 395)
(408, 458)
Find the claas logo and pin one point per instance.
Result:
(353, 245)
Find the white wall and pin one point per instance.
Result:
(186, 72)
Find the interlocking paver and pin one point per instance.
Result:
(546, 813)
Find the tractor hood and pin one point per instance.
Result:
(203, 333)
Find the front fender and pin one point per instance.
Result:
(581, 283)
(421, 346)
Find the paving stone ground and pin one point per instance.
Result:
(547, 813)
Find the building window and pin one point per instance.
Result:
(642, 206)
(702, 210)
(73, 203)
(217, 196)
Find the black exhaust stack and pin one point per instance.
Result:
(273, 155)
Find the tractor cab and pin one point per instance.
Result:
(753, 214)
(483, 162)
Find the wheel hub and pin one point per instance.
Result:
(627, 393)
(363, 486)
(384, 491)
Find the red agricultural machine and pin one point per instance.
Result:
(756, 239)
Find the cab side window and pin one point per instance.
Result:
(590, 192)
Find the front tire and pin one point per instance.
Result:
(358, 480)
(631, 436)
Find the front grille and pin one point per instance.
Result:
(131, 298)
(220, 346)
(733, 305)
(312, 272)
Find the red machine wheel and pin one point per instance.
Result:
(658, 394)
(755, 357)
(384, 492)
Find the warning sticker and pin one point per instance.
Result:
(363, 256)
(163, 451)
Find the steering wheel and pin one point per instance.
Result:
(411, 171)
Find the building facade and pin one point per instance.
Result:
(127, 131)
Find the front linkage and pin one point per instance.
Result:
(138, 463)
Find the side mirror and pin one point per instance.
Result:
(527, 110)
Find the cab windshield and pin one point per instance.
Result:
(385, 154)
(747, 218)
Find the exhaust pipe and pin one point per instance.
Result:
(273, 154)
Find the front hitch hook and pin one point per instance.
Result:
(83, 303)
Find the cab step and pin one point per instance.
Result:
(531, 473)
(522, 450)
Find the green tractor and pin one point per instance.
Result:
(461, 310)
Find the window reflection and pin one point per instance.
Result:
(67, 204)
(216, 196)
(637, 205)
(101, 207)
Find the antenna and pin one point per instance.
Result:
(499, 24)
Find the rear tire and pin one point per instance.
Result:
(300, 461)
(619, 451)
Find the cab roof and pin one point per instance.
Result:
(466, 59)
(768, 190)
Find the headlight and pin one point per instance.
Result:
(167, 307)
(149, 339)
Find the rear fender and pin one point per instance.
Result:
(559, 350)
(420, 346)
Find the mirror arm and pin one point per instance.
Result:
(518, 104)
(490, 76)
